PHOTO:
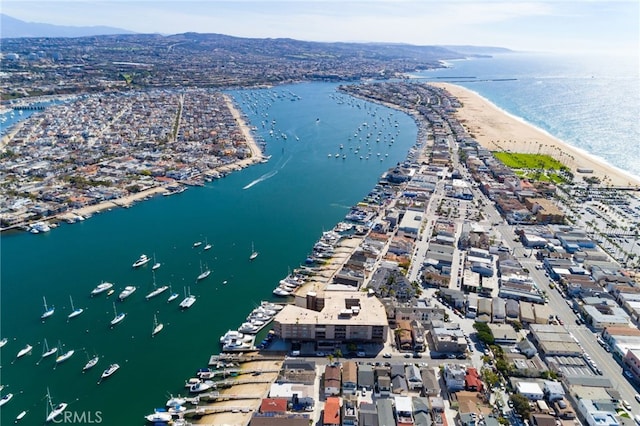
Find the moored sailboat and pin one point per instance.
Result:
(47, 311)
(118, 317)
(254, 253)
(204, 273)
(46, 351)
(52, 412)
(157, 327)
(188, 300)
(74, 311)
(91, 363)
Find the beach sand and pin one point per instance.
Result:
(498, 131)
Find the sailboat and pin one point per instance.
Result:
(46, 351)
(203, 273)
(74, 312)
(65, 356)
(156, 265)
(157, 327)
(22, 352)
(156, 290)
(47, 311)
(254, 253)
(172, 296)
(55, 412)
(118, 316)
(188, 300)
(90, 363)
(207, 246)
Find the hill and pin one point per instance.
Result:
(15, 28)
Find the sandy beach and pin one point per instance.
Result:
(496, 130)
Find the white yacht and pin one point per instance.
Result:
(188, 301)
(201, 387)
(65, 356)
(101, 288)
(118, 316)
(160, 415)
(5, 399)
(91, 363)
(204, 273)
(47, 311)
(156, 291)
(157, 327)
(24, 351)
(142, 260)
(109, 371)
(279, 291)
(197, 244)
(128, 291)
(176, 401)
(3, 341)
(254, 253)
(55, 411)
(46, 351)
(74, 311)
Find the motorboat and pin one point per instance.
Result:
(91, 363)
(248, 327)
(197, 244)
(142, 260)
(157, 327)
(74, 311)
(46, 351)
(47, 311)
(232, 335)
(65, 356)
(110, 292)
(55, 411)
(20, 416)
(176, 401)
(3, 341)
(128, 291)
(177, 410)
(118, 316)
(109, 371)
(160, 415)
(172, 297)
(207, 246)
(201, 387)
(279, 291)
(101, 288)
(24, 351)
(5, 399)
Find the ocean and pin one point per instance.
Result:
(280, 207)
(590, 102)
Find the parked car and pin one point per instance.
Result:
(386, 355)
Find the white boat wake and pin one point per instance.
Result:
(266, 175)
(261, 178)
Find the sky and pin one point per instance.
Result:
(546, 25)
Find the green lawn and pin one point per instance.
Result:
(534, 167)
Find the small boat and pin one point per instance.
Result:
(47, 311)
(5, 399)
(207, 246)
(197, 244)
(91, 363)
(201, 387)
(254, 253)
(128, 291)
(188, 300)
(156, 265)
(3, 341)
(110, 292)
(20, 416)
(203, 273)
(65, 356)
(46, 351)
(160, 415)
(101, 288)
(176, 401)
(142, 260)
(74, 312)
(157, 327)
(55, 412)
(279, 291)
(156, 290)
(24, 351)
(172, 297)
(109, 371)
(118, 316)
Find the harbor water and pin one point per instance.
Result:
(281, 207)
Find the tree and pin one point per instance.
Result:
(521, 405)
(484, 333)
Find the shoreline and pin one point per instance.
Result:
(159, 188)
(498, 130)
